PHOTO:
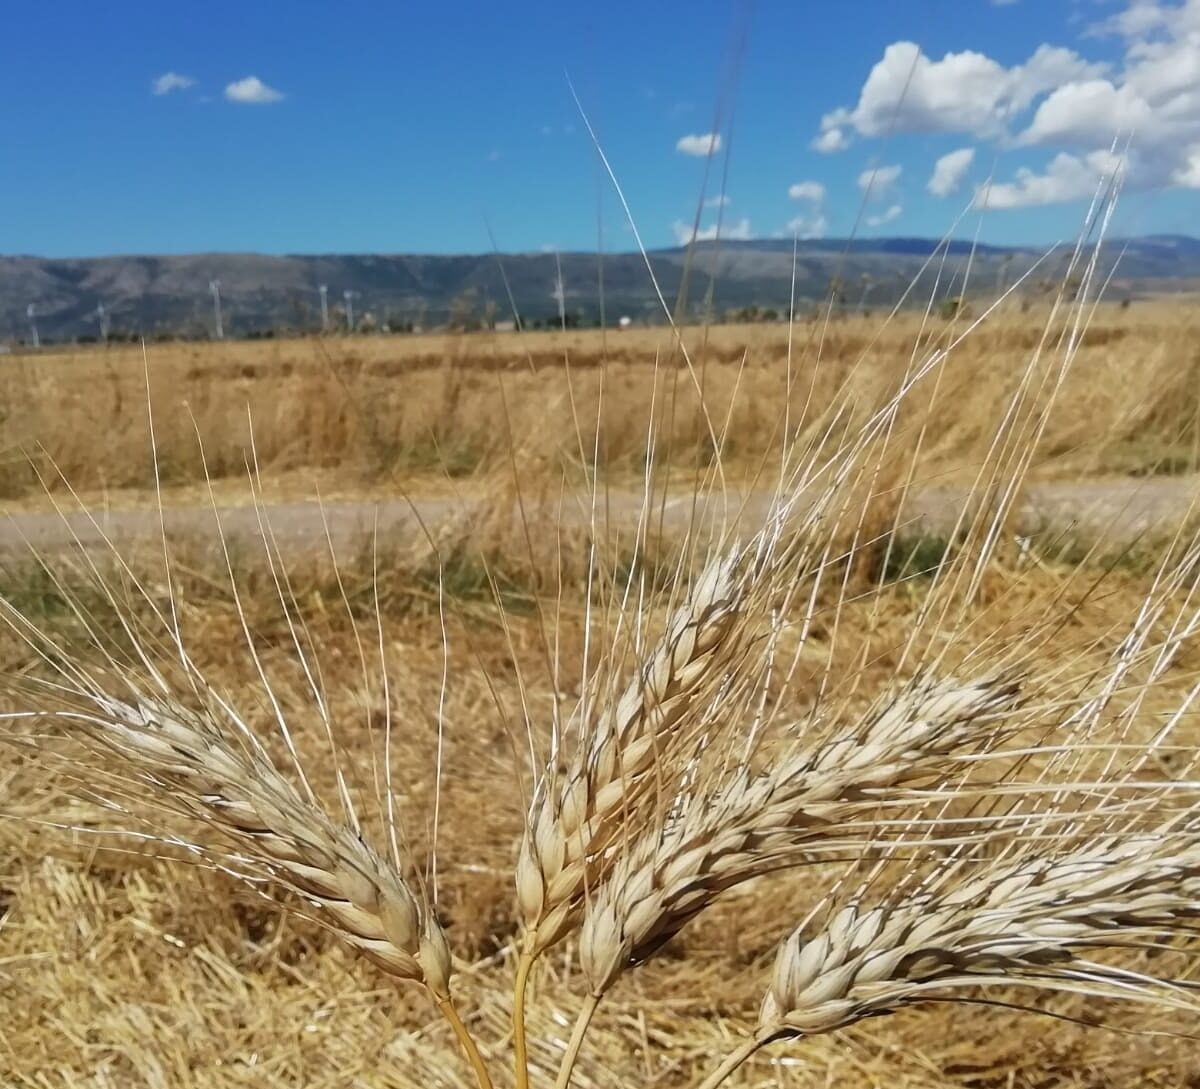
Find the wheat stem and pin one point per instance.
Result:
(735, 1059)
(577, 1034)
(467, 1042)
(520, 1050)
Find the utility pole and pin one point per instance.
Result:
(31, 314)
(867, 284)
(215, 287)
(559, 293)
(324, 290)
(1002, 275)
(347, 295)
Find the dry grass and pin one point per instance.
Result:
(378, 413)
(980, 779)
(121, 967)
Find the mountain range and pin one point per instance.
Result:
(72, 298)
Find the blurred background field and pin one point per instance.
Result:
(366, 415)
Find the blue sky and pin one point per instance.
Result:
(355, 127)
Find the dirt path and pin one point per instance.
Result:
(1121, 508)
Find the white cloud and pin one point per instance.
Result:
(1162, 72)
(1087, 113)
(906, 91)
(721, 200)
(1146, 103)
(1146, 17)
(805, 227)
(812, 224)
(252, 91)
(877, 182)
(1187, 174)
(171, 81)
(949, 172)
(831, 140)
(737, 232)
(707, 144)
(807, 190)
(1067, 177)
(893, 212)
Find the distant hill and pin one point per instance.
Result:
(170, 294)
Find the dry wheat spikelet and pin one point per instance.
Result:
(813, 797)
(1030, 921)
(1030, 918)
(574, 820)
(697, 676)
(186, 762)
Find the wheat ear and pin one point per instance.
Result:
(185, 761)
(1031, 921)
(812, 798)
(189, 765)
(575, 816)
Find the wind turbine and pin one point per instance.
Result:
(31, 314)
(348, 295)
(324, 290)
(215, 287)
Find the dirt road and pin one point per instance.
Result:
(1121, 508)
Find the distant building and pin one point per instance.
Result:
(505, 326)
(624, 321)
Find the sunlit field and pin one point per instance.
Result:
(588, 477)
(369, 415)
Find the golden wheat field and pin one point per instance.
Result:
(430, 681)
(382, 412)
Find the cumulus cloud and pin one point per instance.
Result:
(737, 232)
(830, 140)
(893, 212)
(907, 91)
(252, 91)
(171, 81)
(1086, 113)
(1187, 174)
(1145, 17)
(708, 143)
(1066, 177)
(811, 224)
(1147, 101)
(949, 172)
(878, 182)
(806, 227)
(807, 190)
